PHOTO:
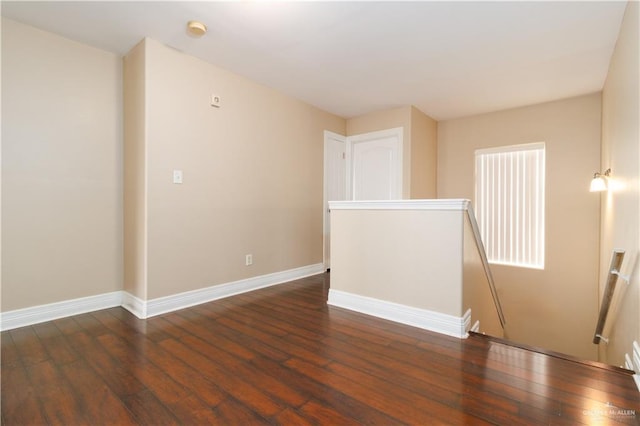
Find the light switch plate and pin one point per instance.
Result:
(177, 176)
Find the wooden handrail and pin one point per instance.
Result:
(609, 290)
(485, 263)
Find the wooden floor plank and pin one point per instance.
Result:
(67, 325)
(280, 355)
(225, 378)
(291, 417)
(100, 405)
(28, 346)
(90, 325)
(232, 412)
(200, 327)
(117, 376)
(20, 401)
(152, 377)
(55, 343)
(10, 356)
(182, 373)
(321, 413)
(337, 402)
(148, 410)
(194, 411)
(446, 390)
(245, 336)
(57, 399)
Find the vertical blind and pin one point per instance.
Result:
(510, 194)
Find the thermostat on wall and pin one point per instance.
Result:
(215, 101)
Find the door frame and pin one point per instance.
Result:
(328, 136)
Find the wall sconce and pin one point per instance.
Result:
(599, 181)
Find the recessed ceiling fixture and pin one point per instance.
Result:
(196, 28)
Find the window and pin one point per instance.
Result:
(510, 203)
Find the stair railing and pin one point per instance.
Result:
(485, 263)
(610, 288)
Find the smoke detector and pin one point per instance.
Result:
(196, 28)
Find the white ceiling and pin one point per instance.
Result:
(449, 59)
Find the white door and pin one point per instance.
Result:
(335, 187)
(374, 165)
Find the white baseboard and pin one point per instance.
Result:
(632, 362)
(148, 308)
(134, 304)
(37, 314)
(161, 305)
(422, 318)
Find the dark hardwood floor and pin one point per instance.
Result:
(280, 355)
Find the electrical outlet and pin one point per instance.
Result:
(248, 260)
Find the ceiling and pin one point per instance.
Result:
(449, 59)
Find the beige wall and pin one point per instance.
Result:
(620, 206)
(409, 257)
(419, 140)
(253, 175)
(61, 169)
(554, 308)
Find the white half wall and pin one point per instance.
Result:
(407, 252)
(416, 262)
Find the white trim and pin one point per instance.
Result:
(161, 305)
(511, 148)
(378, 134)
(41, 313)
(633, 363)
(134, 304)
(434, 204)
(325, 200)
(416, 317)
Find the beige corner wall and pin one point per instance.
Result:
(419, 145)
(621, 205)
(554, 308)
(424, 155)
(253, 176)
(135, 170)
(61, 168)
(381, 120)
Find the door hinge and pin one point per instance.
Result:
(344, 156)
